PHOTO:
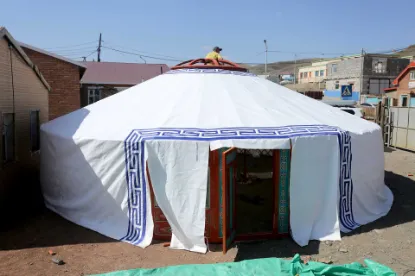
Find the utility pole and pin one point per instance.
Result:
(295, 68)
(361, 73)
(99, 48)
(266, 56)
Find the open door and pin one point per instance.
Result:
(228, 197)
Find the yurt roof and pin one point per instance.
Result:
(205, 98)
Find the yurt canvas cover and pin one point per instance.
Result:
(93, 160)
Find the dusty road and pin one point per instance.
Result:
(391, 240)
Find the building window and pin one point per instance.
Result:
(301, 75)
(379, 65)
(404, 100)
(412, 75)
(377, 86)
(316, 73)
(337, 85)
(321, 73)
(94, 94)
(34, 130)
(8, 137)
(309, 74)
(334, 68)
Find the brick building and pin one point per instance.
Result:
(63, 75)
(402, 92)
(23, 107)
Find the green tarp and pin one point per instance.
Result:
(269, 266)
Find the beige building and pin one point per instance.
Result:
(315, 73)
(23, 107)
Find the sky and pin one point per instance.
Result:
(175, 30)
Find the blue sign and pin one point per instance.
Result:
(346, 91)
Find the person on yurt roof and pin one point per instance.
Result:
(215, 54)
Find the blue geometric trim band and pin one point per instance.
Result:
(346, 182)
(136, 167)
(210, 71)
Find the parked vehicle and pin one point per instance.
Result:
(353, 110)
(347, 106)
(368, 105)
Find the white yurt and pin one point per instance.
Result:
(122, 164)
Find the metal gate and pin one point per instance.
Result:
(399, 127)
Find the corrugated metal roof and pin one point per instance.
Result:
(116, 73)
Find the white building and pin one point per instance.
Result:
(315, 73)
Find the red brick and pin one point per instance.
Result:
(63, 77)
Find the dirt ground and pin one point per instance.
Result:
(24, 245)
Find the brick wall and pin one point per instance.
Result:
(403, 89)
(63, 78)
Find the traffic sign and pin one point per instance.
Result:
(346, 91)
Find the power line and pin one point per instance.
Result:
(71, 46)
(139, 55)
(83, 57)
(74, 50)
(137, 51)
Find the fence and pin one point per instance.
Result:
(370, 113)
(399, 127)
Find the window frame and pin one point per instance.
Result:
(316, 73)
(334, 68)
(336, 85)
(321, 73)
(5, 159)
(91, 90)
(402, 100)
(35, 143)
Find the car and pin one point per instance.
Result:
(348, 106)
(368, 105)
(353, 110)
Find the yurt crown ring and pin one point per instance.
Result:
(206, 63)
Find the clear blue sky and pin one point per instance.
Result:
(189, 28)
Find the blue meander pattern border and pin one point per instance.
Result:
(136, 167)
(210, 71)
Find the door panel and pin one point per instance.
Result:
(228, 197)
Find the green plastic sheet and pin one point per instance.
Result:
(268, 266)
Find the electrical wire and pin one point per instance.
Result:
(75, 50)
(136, 51)
(71, 46)
(139, 55)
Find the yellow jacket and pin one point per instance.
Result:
(214, 55)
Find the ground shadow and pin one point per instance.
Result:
(403, 208)
(283, 248)
(29, 224)
(402, 211)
